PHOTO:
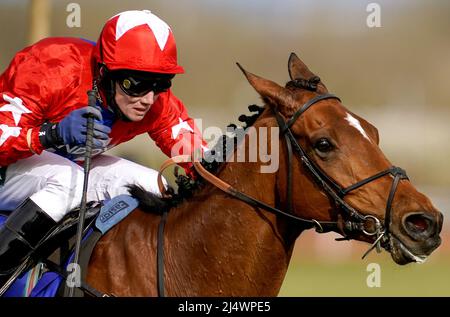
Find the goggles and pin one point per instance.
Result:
(136, 86)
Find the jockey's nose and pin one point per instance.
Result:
(148, 99)
(421, 225)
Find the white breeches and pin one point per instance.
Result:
(55, 183)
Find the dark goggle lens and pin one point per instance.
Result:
(136, 87)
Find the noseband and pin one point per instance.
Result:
(353, 221)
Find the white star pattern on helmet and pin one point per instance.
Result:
(177, 128)
(130, 19)
(15, 106)
(7, 132)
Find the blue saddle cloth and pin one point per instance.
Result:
(111, 213)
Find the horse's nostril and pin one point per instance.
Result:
(419, 225)
(417, 222)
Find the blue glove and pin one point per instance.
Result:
(72, 129)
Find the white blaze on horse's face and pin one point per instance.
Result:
(355, 123)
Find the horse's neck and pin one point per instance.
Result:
(222, 246)
(214, 244)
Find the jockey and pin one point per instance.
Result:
(43, 108)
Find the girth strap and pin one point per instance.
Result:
(160, 254)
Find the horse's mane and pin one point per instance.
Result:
(152, 203)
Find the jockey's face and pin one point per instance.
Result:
(134, 108)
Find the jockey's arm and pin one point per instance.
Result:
(34, 88)
(19, 125)
(178, 134)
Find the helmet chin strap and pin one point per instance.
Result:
(108, 88)
(115, 108)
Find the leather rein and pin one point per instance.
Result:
(353, 220)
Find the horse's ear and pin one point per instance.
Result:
(268, 89)
(298, 70)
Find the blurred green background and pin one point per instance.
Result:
(397, 76)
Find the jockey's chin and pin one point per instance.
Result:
(134, 108)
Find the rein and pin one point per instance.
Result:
(355, 221)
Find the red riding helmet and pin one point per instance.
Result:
(137, 40)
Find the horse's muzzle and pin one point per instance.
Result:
(419, 236)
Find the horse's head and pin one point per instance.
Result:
(340, 178)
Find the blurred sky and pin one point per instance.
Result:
(396, 76)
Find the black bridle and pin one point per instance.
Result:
(354, 220)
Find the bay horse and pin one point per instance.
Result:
(332, 176)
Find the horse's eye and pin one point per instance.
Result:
(323, 146)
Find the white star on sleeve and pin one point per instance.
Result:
(16, 107)
(177, 128)
(130, 19)
(7, 132)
